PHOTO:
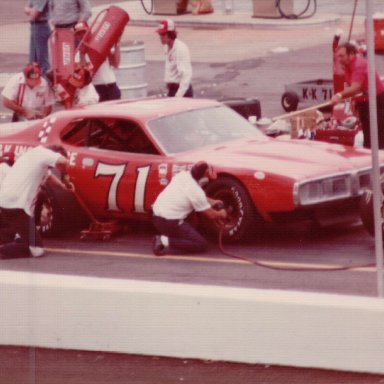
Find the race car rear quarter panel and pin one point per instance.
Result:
(24, 133)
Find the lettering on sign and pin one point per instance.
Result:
(103, 30)
(72, 158)
(20, 149)
(317, 94)
(4, 148)
(66, 54)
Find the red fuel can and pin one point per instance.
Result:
(62, 46)
(104, 32)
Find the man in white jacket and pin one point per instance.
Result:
(178, 68)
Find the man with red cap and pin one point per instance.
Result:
(178, 68)
(28, 94)
(182, 196)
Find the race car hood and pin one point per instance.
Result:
(296, 159)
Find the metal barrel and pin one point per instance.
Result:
(131, 73)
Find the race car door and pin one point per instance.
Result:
(115, 171)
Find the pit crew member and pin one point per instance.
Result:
(182, 196)
(28, 94)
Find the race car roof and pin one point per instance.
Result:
(150, 108)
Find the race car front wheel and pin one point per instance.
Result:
(242, 216)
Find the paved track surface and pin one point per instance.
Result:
(41, 366)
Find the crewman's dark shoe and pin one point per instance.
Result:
(158, 247)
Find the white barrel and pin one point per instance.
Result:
(131, 73)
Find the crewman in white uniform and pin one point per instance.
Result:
(28, 94)
(182, 196)
(178, 68)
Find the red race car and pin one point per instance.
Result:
(122, 154)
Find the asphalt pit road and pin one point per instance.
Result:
(226, 76)
(245, 64)
(218, 65)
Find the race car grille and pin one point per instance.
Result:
(324, 190)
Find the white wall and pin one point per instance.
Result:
(192, 321)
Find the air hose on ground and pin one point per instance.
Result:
(262, 264)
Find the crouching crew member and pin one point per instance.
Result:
(182, 196)
(18, 195)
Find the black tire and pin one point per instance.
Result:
(290, 101)
(61, 210)
(242, 214)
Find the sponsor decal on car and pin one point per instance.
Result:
(163, 170)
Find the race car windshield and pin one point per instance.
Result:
(198, 128)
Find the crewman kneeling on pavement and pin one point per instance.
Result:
(182, 196)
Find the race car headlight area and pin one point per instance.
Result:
(336, 187)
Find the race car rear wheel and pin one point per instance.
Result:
(57, 211)
(242, 215)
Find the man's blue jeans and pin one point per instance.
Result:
(38, 48)
(182, 235)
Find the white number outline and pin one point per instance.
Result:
(117, 172)
(140, 187)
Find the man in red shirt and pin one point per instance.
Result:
(356, 76)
